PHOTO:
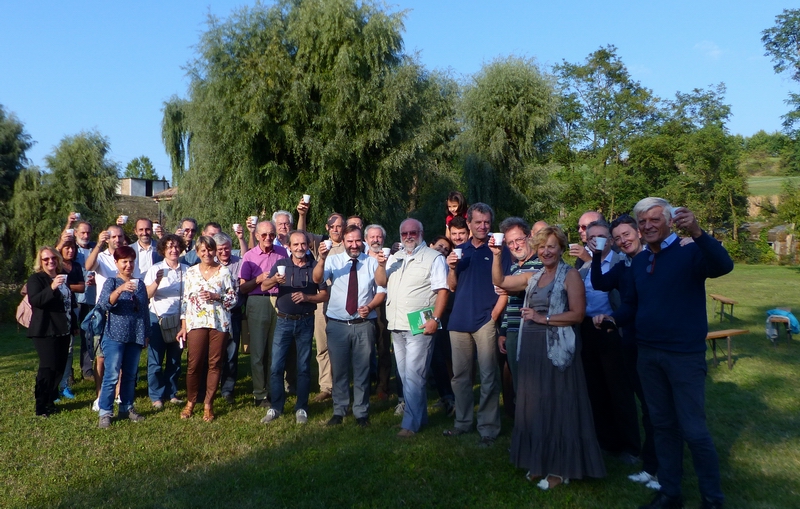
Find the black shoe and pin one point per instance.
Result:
(362, 422)
(262, 403)
(335, 420)
(628, 458)
(662, 501)
(229, 398)
(486, 442)
(710, 504)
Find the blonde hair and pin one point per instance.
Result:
(545, 233)
(37, 264)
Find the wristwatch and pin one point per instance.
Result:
(438, 321)
(548, 319)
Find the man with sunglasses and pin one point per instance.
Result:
(579, 251)
(667, 300)
(256, 266)
(297, 300)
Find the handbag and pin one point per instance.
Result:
(171, 324)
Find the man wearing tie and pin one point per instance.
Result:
(351, 321)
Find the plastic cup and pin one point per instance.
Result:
(459, 251)
(675, 210)
(600, 243)
(387, 251)
(135, 282)
(281, 270)
(71, 232)
(328, 244)
(498, 239)
(124, 219)
(77, 215)
(254, 219)
(306, 198)
(236, 227)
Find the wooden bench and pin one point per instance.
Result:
(712, 337)
(785, 321)
(722, 302)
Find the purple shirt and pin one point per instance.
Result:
(255, 262)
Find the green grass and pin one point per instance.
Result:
(768, 185)
(66, 461)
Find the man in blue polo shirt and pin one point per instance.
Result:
(476, 311)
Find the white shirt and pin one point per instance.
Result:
(144, 259)
(337, 269)
(106, 268)
(167, 299)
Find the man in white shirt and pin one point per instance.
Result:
(146, 254)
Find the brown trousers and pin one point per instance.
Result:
(205, 358)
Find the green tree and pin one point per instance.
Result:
(141, 168)
(176, 136)
(509, 109)
(310, 96)
(82, 178)
(14, 142)
(782, 43)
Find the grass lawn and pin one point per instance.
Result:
(768, 185)
(66, 461)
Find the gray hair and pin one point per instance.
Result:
(482, 208)
(373, 226)
(515, 222)
(599, 223)
(283, 213)
(404, 221)
(222, 238)
(648, 203)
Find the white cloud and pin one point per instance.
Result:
(709, 49)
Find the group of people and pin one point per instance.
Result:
(571, 348)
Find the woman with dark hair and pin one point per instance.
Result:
(52, 323)
(125, 301)
(165, 281)
(74, 271)
(209, 295)
(553, 436)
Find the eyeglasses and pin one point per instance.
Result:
(582, 227)
(46, 260)
(652, 267)
(412, 233)
(517, 242)
(267, 235)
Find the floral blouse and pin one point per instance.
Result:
(213, 314)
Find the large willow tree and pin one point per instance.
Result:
(309, 96)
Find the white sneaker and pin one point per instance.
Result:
(272, 414)
(96, 405)
(642, 477)
(301, 416)
(117, 400)
(654, 485)
(400, 409)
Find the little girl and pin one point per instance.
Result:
(456, 206)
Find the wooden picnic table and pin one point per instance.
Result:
(722, 302)
(712, 338)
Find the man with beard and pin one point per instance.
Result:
(415, 279)
(146, 254)
(351, 322)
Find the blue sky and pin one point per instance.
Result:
(73, 66)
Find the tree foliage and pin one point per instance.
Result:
(176, 136)
(14, 142)
(141, 168)
(82, 178)
(310, 96)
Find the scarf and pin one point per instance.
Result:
(560, 340)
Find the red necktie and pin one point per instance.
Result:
(351, 305)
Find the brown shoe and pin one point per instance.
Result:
(208, 413)
(406, 433)
(322, 396)
(186, 413)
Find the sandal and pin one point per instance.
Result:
(186, 413)
(545, 484)
(208, 414)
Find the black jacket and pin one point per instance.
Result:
(48, 317)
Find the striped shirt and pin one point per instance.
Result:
(512, 317)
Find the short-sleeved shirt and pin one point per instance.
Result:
(298, 279)
(475, 296)
(337, 269)
(89, 296)
(167, 299)
(256, 262)
(512, 317)
(106, 268)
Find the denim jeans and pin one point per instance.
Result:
(350, 344)
(413, 354)
(230, 368)
(674, 386)
(162, 384)
(119, 357)
(287, 332)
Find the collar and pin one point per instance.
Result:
(140, 248)
(664, 243)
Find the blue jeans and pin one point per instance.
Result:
(230, 366)
(162, 384)
(413, 353)
(350, 344)
(300, 332)
(119, 357)
(674, 387)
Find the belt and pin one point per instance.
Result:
(261, 295)
(295, 317)
(354, 321)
